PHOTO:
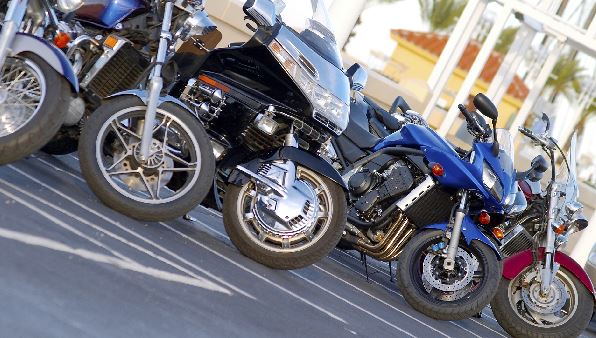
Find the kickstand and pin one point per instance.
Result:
(478, 315)
(189, 218)
(390, 273)
(363, 259)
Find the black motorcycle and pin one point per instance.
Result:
(268, 106)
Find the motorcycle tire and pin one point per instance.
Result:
(410, 282)
(510, 320)
(145, 208)
(45, 121)
(249, 244)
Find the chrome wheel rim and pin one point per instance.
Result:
(552, 310)
(22, 92)
(174, 164)
(276, 238)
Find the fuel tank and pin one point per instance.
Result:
(108, 13)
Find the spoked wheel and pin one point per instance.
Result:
(285, 232)
(523, 311)
(447, 294)
(172, 181)
(31, 99)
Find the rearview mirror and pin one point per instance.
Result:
(263, 12)
(486, 106)
(358, 77)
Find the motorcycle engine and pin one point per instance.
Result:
(372, 188)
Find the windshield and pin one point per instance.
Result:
(506, 157)
(310, 21)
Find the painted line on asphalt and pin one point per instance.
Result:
(463, 328)
(120, 226)
(352, 304)
(60, 223)
(381, 301)
(101, 258)
(493, 330)
(266, 280)
(60, 170)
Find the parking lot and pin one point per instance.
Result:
(70, 266)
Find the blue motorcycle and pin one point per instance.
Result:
(412, 196)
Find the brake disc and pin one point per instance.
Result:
(466, 266)
(543, 304)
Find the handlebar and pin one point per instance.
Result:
(545, 143)
(473, 123)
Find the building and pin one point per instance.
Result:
(412, 62)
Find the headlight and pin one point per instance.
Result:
(67, 6)
(491, 181)
(325, 104)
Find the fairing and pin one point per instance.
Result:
(470, 232)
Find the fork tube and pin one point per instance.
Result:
(460, 213)
(156, 82)
(549, 249)
(14, 17)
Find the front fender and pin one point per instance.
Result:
(470, 232)
(296, 155)
(515, 264)
(143, 95)
(51, 54)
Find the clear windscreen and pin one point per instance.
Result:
(506, 152)
(310, 20)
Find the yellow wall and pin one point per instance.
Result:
(412, 63)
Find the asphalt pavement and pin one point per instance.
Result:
(71, 267)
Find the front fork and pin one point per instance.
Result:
(12, 21)
(549, 267)
(460, 213)
(156, 82)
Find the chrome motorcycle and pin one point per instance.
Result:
(543, 292)
(36, 78)
(146, 154)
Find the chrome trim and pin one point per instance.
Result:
(263, 11)
(107, 55)
(416, 193)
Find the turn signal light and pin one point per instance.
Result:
(437, 169)
(484, 218)
(498, 233)
(560, 229)
(110, 41)
(61, 40)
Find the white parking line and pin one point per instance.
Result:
(352, 304)
(463, 328)
(101, 258)
(493, 330)
(61, 170)
(107, 219)
(62, 224)
(270, 282)
(381, 301)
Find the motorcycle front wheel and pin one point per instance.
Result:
(289, 232)
(32, 96)
(523, 311)
(442, 294)
(171, 182)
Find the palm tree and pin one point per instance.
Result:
(506, 39)
(565, 78)
(441, 15)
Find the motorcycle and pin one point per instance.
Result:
(267, 105)
(544, 292)
(412, 196)
(145, 154)
(110, 45)
(36, 79)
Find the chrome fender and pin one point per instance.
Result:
(51, 54)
